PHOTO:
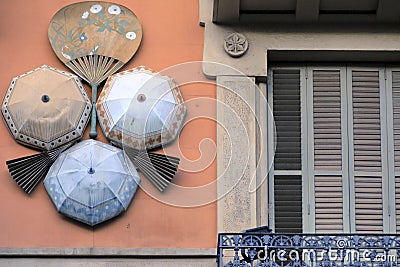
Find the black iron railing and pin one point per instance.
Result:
(303, 250)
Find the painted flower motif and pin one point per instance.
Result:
(131, 35)
(85, 15)
(94, 50)
(65, 54)
(114, 10)
(95, 9)
(83, 37)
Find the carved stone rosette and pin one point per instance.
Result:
(236, 44)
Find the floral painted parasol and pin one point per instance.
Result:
(94, 39)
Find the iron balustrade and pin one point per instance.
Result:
(307, 250)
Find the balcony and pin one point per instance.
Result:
(303, 250)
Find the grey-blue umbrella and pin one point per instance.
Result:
(92, 182)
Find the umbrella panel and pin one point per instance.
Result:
(82, 213)
(96, 214)
(91, 193)
(116, 109)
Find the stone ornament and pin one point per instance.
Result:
(236, 44)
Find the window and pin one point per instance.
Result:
(337, 161)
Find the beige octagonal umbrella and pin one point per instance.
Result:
(46, 109)
(154, 107)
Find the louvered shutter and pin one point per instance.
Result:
(328, 203)
(288, 204)
(367, 159)
(368, 206)
(347, 159)
(396, 141)
(328, 184)
(287, 115)
(286, 106)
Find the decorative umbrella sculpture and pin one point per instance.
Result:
(155, 109)
(91, 182)
(94, 39)
(46, 109)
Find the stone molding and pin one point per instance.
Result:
(264, 39)
(109, 252)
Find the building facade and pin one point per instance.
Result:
(304, 108)
(152, 232)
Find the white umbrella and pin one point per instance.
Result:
(151, 103)
(155, 110)
(92, 182)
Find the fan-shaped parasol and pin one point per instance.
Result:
(154, 107)
(94, 39)
(46, 109)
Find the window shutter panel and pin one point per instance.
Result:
(397, 192)
(396, 118)
(287, 114)
(288, 204)
(286, 106)
(327, 120)
(369, 207)
(327, 151)
(396, 137)
(367, 152)
(328, 204)
(366, 121)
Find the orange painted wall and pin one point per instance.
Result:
(172, 35)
